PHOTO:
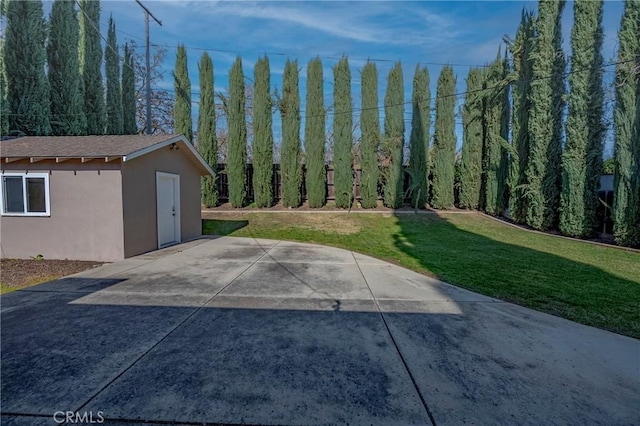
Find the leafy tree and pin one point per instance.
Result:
(161, 100)
(263, 136)
(370, 144)
(543, 173)
(182, 85)
(290, 166)
(207, 142)
(419, 141)
(24, 62)
(444, 141)
(128, 94)
(471, 165)
(626, 205)
(237, 145)
(393, 142)
(65, 86)
(342, 134)
(115, 124)
(316, 177)
(521, 87)
(90, 57)
(582, 157)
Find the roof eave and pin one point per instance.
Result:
(59, 159)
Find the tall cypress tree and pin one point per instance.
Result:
(314, 136)
(207, 140)
(626, 205)
(370, 144)
(290, 166)
(419, 142)
(543, 171)
(237, 137)
(493, 151)
(67, 102)
(444, 141)
(4, 103)
(24, 54)
(471, 171)
(263, 135)
(505, 117)
(520, 50)
(115, 124)
(182, 86)
(128, 94)
(90, 56)
(342, 134)
(393, 142)
(582, 157)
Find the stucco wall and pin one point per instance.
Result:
(139, 198)
(86, 214)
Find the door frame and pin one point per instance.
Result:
(176, 196)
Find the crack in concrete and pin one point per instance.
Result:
(180, 324)
(393, 340)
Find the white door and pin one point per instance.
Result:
(168, 208)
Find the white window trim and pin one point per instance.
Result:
(24, 176)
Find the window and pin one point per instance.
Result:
(25, 194)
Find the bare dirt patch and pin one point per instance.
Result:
(339, 224)
(20, 273)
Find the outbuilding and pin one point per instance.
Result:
(101, 198)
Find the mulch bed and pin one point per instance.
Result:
(20, 273)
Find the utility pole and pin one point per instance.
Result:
(148, 13)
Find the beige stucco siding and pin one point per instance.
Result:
(139, 198)
(86, 214)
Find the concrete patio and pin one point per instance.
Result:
(247, 331)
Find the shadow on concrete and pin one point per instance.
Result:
(307, 365)
(222, 227)
(528, 277)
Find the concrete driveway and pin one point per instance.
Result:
(245, 331)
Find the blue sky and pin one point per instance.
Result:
(461, 33)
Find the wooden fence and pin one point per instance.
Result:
(223, 183)
(605, 224)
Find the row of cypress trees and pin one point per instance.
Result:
(69, 98)
(544, 182)
(380, 155)
(519, 153)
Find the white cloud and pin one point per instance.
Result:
(361, 22)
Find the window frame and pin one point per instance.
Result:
(25, 195)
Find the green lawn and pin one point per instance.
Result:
(590, 284)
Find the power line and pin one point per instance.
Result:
(336, 58)
(433, 99)
(87, 18)
(500, 84)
